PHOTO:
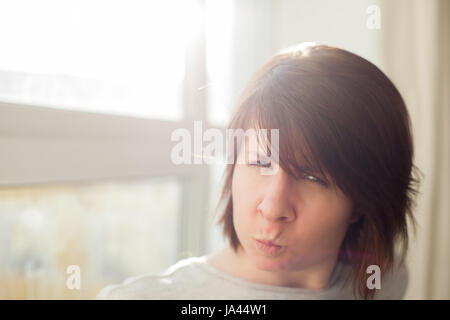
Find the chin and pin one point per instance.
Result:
(270, 263)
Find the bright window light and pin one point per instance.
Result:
(119, 56)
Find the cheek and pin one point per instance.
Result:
(243, 182)
(324, 222)
(244, 202)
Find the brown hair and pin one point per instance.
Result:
(342, 116)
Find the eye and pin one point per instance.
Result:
(313, 178)
(258, 163)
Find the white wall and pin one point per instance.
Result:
(340, 23)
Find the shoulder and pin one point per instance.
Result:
(155, 286)
(394, 282)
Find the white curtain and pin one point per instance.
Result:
(415, 37)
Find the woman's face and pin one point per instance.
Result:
(305, 217)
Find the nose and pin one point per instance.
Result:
(276, 205)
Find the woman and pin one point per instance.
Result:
(326, 223)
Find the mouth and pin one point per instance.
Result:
(267, 247)
(268, 242)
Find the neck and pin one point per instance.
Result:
(314, 277)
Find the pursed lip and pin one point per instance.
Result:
(268, 242)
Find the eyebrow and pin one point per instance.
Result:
(312, 170)
(301, 168)
(308, 169)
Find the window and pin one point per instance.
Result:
(121, 57)
(90, 92)
(110, 229)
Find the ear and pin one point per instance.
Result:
(356, 214)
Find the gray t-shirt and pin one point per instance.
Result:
(194, 279)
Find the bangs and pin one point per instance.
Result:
(295, 148)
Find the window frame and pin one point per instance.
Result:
(45, 145)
